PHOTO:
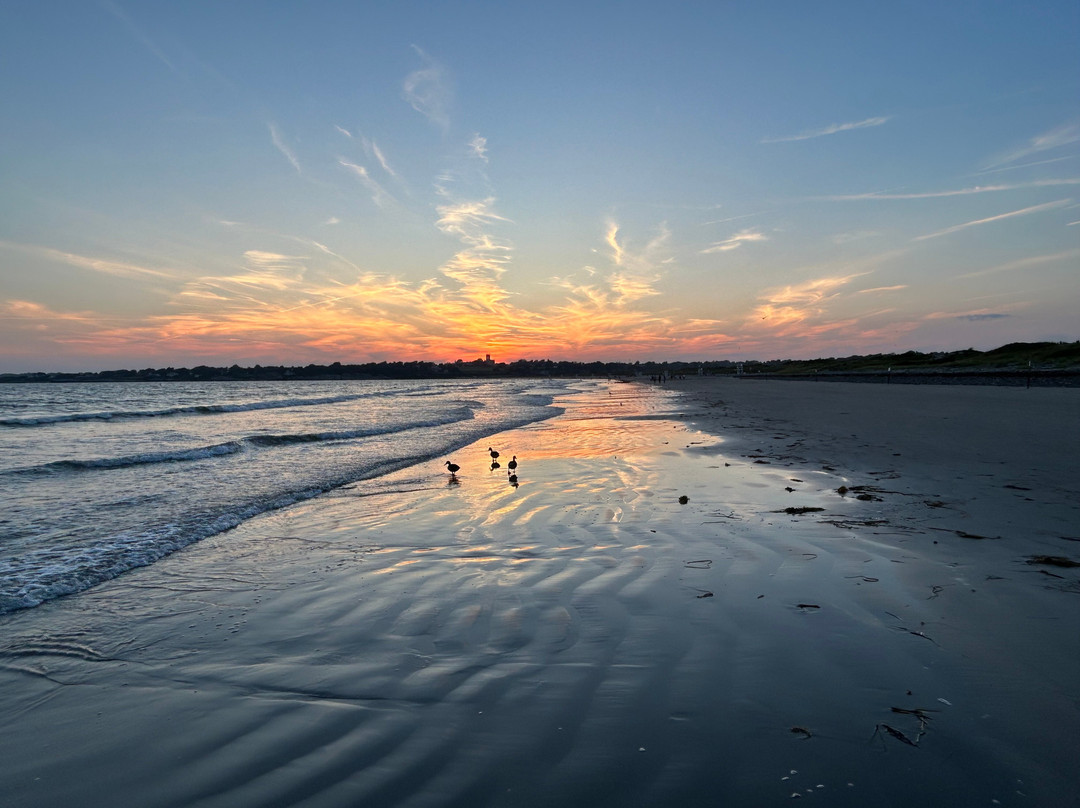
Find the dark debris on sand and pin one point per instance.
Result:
(1053, 561)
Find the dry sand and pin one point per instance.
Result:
(586, 640)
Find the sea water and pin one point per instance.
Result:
(96, 479)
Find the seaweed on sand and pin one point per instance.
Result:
(1053, 561)
(920, 714)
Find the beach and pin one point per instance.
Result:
(709, 592)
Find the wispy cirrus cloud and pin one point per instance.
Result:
(1063, 135)
(484, 257)
(611, 237)
(977, 189)
(879, 289)
(33, 332)
(428, 91)
(599, 312)
(785, 306)
(643, 261)
(324, 249)
(468, 219)
(1000, 217)
(831, 129)
(735, 241)
(264, 274)
(285, 304)
(633, 277)
(103, 265)
(1023, 263)
(139, 34)
(1024, 165)
(703, 336)
(38, 313)
(478, 147)
(371, 148)
(279, 144)
(974, 316)
(379, 195)
(301, 304)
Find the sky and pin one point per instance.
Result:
(284, 183)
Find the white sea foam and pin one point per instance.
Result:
(93, 491)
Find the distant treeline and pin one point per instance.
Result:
(381, 370)
(1015, 357)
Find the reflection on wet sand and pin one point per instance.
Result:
(583, 639)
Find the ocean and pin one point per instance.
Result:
(97, 479)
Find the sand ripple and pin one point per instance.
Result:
(582, 639)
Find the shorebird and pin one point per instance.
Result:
(493, 453)
(454, 469)
(512, 465)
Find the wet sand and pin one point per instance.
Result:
(585, 639)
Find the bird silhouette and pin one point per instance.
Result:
(512, 465)
(493, 453)
(512, 479)
(454, 469)
(494, 465)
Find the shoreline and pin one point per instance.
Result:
(1010, 451)
(1000, 377)
(585, 638)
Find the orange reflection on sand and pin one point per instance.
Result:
(405, 562)
(465, 560)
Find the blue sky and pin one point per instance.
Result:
(284, 183)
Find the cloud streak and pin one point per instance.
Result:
(279, 144)
(878, 289)
(427, 90)
(1063, 135)
(975, 315)
(832, 129)
(787, 309)
(1024, 165)
(478, 147)
(379, 194)
(1000, 217)
(107, 267)
(1024, 263)
(138, 33)
(612, 239)
(978, 189)
(735, 241)
(383, 162)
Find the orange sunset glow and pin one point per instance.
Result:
(180, 190)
